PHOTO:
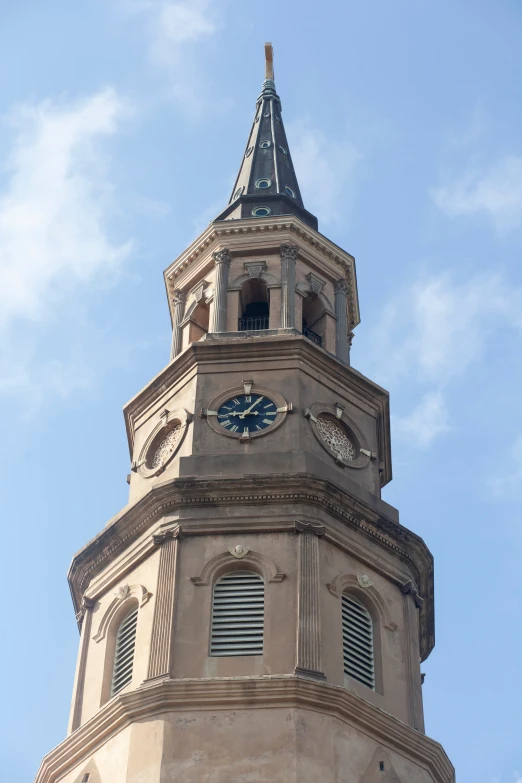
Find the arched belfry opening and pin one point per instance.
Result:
(314, 321)
(254, 305)
(199, 321)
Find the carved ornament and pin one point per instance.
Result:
(163, 443)
(309, 527)
(364, 580)
(410, 588)
(239, 551)
(289, 252)
(339, 435)
(164, 535)
(179, 297)
(316, 284)
(255, 268)
(342, 286)
(221, 256)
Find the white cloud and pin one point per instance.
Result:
(425, 423)
(431, 333)
(325, 169)
(495, 192)
(438, 327)
(173, 27)
(54, 236)
(509, 484)
(180, 22)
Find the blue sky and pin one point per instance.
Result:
(121, 130)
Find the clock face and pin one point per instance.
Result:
(247, 413)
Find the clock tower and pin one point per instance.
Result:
(256, 612)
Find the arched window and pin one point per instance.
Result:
(238, 609)
(124, 651)
(313, 318)
(358, 646)
(254, 303)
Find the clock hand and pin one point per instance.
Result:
(242, 415)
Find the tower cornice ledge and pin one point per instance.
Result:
(182, 498)
(155, 701)
(264, 235)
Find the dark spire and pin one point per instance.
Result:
(266, 183)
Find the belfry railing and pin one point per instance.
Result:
(253, 324)
(313, 336)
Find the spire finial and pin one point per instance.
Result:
(269, 61)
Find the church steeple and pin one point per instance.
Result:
(255, 573)
(267, 183)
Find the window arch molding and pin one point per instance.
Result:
(118, 607)
(228, 561)
(368, 596)
(304, 289)
(373, 602)
(270, 280)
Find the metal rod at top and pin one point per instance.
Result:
(269, 60)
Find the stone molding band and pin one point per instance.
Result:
(244, 693)
(180, 496)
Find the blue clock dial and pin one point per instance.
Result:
(247, 413)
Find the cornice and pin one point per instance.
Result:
(180, 495)
(281, 347)
(272, 226)
(245, 693)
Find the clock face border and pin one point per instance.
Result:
(168, 420)
(210, 413)
(355, 435)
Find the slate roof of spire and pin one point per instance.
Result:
(267, 183)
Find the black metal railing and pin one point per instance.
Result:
(313, 336)
(252, 324)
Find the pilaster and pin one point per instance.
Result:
(288, 257)
(179, 298)
(342, 349)
(84, 617)
(308, 660)
(412, 602)
(218, 321)
(160, 660)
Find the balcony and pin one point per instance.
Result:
(313, 336)
(253, 324)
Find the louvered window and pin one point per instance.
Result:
(124, 653)
(238, 615)
(358, 641)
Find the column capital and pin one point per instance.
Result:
(179, 297)
(288, 252)
(222, 256)
(165, 535)
(341, 286)
(86, 605)
(410, 588)
(308, 527)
